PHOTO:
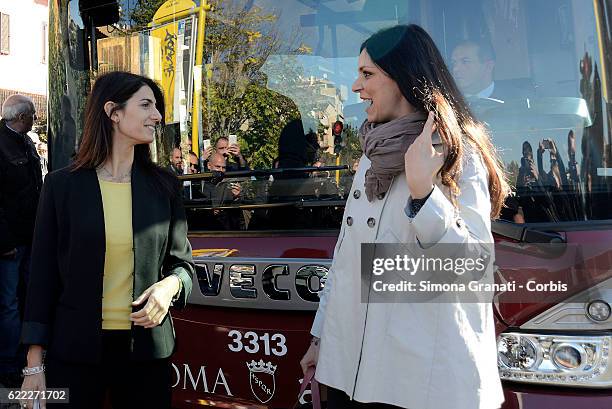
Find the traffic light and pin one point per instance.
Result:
(337, 132)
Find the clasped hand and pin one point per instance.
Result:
(158, 297)
(422, 162)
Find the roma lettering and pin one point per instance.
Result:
(185, 379)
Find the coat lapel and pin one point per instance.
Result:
(92, 208)
(86, 222)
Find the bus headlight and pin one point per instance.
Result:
(568, 357)
(516, 352)
(555, 359)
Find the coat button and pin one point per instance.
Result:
(371, 222)
(357, 194)
(349, 221)
(381, 196)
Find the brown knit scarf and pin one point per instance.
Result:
(385, 145)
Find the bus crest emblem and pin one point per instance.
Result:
(261, 378)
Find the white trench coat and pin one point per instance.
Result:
(413, 355)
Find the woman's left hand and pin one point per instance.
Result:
(158, 297)
(422, 162)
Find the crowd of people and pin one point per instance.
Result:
(229, 153)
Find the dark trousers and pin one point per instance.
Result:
(337, 399)
(117, 379)
(13, 275)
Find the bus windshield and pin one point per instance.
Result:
(276, 77)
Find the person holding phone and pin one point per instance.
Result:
(206, 152)
(231, 150)
(412, 189)
(556, 177)
(558, 181)
(109, 257)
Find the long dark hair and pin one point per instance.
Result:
(97, 141)
(410, 57)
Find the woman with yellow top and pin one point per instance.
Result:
(110, 255)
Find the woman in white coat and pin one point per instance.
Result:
(408, 190)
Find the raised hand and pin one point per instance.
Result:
(234, 149)
(207, 152)
(422, 162)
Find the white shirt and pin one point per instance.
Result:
(487, 92)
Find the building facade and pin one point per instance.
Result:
(24, 27)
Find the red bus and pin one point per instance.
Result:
(274, 77)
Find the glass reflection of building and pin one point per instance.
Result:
(297, 59)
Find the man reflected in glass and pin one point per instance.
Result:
(176, 162)
(232, 154)
(473, 65)
(194, 163)
(220, 193)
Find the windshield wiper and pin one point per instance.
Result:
(525, 234)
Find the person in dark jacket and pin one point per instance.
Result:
(20, 184)
(473, 67)
(221, 194)
(110, 255)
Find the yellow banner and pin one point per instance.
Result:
(168, 41)
(172, 8)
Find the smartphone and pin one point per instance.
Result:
(233, 139)
(206, 144)
(547, 143)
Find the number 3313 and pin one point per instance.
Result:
(252, 343)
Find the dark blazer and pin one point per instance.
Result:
(20, 183)
(64, 299)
